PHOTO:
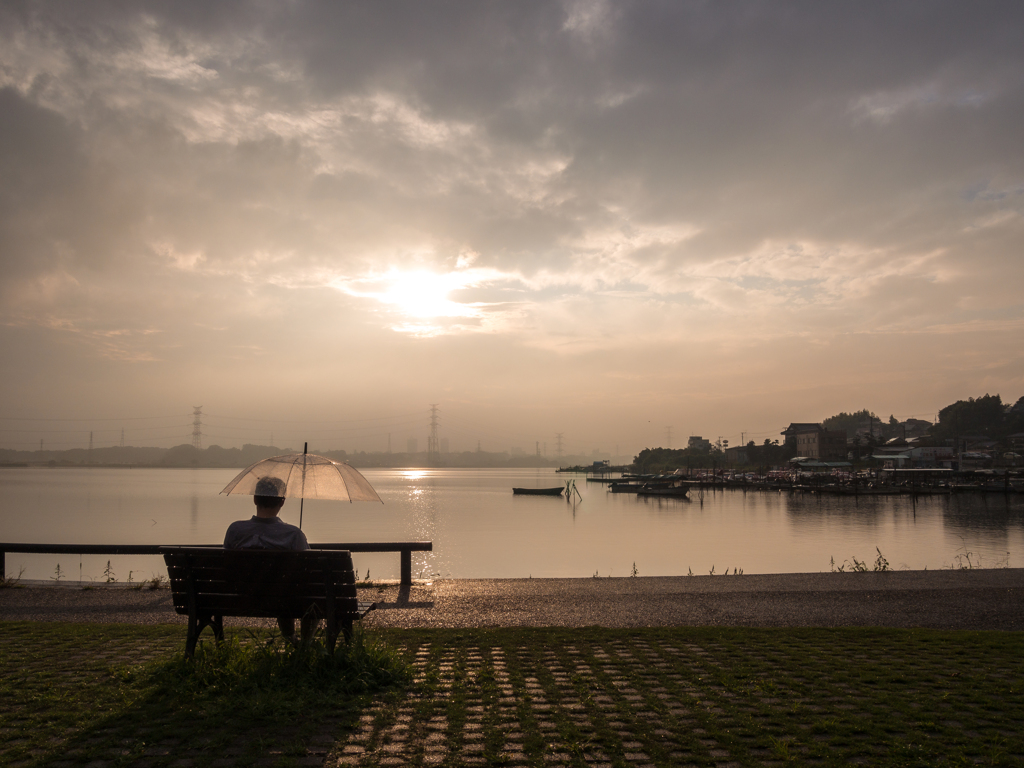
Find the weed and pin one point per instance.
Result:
(965, 560)
(780, 748)
(108, 574)
(635, 571)
(689, 571)
(156, 582)
(712, 573)
(10, 582)
(58, 574)
(881, 564)
(860, 566)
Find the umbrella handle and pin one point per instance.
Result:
(305, 450)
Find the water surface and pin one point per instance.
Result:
(480, 530)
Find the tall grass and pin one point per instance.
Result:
(259, 679)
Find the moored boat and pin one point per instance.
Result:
(538, 491)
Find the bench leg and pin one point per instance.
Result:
(196, 625)
(307, 628)
(192, 637)
(406, 567)
(331, 625)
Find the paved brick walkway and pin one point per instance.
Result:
(592, 699)
(655, 701)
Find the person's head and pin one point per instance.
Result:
(269, 495)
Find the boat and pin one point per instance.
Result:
(538, 491)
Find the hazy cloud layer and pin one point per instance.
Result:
(588, 217)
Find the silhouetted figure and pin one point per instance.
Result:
(265, 530)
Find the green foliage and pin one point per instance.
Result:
(851, 422)
(271, 678)
(982, 416)
(654, 460)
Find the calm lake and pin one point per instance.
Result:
(481, 530)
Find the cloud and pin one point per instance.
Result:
(558, 180)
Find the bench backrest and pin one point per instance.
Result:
(259, 582)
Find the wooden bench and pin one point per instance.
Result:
(209, 583)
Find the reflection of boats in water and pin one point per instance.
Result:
(636, 487)
(538, 491)
(678, 492)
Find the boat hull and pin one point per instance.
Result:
(538, 491)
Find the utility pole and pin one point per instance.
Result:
(433, 452)
(558, 444)
(197, 427)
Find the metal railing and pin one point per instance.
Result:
(406, 548)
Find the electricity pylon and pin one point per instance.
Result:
(197, 427)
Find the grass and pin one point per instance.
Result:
(85, 693)
(74, 694)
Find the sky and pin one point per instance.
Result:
(621, 222)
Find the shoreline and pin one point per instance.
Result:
(947, 599)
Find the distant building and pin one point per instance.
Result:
(815, 442)
(737, 455)
(698, 443)
(915, 428)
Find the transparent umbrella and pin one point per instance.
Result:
(306, 476)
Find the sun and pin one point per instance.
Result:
(423, 295)
(423, 298)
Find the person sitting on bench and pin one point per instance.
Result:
(265, 530)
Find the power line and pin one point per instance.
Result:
(315, 421)
(121, 418)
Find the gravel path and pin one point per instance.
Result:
(978, 599)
